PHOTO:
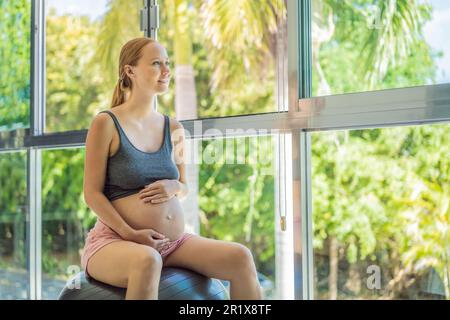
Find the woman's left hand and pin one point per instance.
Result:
(159, 191)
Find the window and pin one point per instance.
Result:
(381, 215)
(372, 45)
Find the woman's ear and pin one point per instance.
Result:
(129, 70)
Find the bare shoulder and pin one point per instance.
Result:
(175, 124)
(103, 125)
(103, 118)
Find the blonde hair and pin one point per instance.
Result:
(130, 54)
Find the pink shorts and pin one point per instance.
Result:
(101, 235)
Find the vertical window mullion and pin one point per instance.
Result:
(35, 222)
(37, 123)
(304, 51)
(293, 54)
(31, 231)
(151, 21)
(305, 91)
(150, 18)
(300, 81)
(37, 111)
(306, 215)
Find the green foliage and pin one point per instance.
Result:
(385, 190)
(231, 77)
(13, 181)
(13, 210)
(119, 24)
(15, 21)
(73, 85)
(237, 200)
(362, 58)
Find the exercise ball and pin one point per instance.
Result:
(175, 284)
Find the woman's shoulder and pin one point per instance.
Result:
(114, 111)
(176, 130)
(103, 117)
(175, 124)
(103, 122)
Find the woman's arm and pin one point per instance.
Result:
(98, 141)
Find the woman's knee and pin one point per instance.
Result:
(242, 257)
(148, 259)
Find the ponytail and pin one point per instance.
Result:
(118, 96)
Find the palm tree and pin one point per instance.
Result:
(392, 27)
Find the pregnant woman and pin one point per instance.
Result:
(134, 178)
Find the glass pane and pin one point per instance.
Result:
(227, 57)
(65, 218)
(14, 273)
(381, 213)
(236, 201)
(364, 45)
(83, 41)
(15, 25)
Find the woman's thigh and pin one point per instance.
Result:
(213, 258)
(112, 263)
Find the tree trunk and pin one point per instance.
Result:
(334, 260)
(353, 282)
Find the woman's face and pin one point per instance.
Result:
(152, 72)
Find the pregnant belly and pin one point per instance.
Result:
(166, 217)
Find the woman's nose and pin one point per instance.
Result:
(165, 70)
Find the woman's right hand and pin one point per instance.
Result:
(150, 238)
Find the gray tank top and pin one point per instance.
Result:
(130, 169)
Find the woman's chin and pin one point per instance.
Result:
(162, 90)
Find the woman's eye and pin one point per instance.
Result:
(159, 63)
